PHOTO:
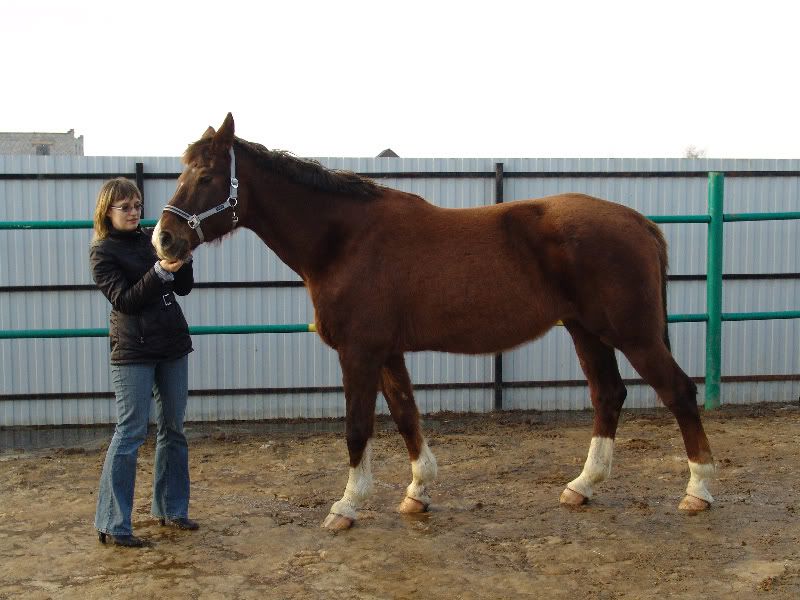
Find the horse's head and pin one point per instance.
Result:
(205, 205)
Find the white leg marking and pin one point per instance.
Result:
(423, 472)
(597, 467)
(359, 486)
(700, 473)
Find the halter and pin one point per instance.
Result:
(193, 221)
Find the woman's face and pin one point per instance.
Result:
(125, 214)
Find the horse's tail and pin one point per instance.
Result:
(663, 260)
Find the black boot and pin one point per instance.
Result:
(180, 523)
(129, 541)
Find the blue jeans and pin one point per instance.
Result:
(134, 385)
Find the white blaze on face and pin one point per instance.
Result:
(423, 471)
(597, 467)
(359, 486)
(699, 475)
(154, 239)
(157, 231)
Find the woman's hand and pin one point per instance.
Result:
(171, 265)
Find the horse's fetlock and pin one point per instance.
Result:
(418, 492)
(344, 509)
(424, 468)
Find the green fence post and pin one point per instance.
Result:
(716, 185)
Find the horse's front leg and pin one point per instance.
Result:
(396, 386)
(360, 374)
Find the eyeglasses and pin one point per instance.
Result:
(135, 207)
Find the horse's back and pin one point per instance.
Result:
(479, 280)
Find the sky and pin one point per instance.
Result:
(500, 79)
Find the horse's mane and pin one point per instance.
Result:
(299, 170)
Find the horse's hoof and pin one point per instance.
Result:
(336, 522)
(572, 498)
(693, 504)
(411, 506)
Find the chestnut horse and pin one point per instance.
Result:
(389, 273)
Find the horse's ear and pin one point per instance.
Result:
(223, 139)
(208, 133)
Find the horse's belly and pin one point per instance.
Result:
(481, 311)
(480, 332)
(476, 343)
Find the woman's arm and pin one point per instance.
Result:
(112, 281)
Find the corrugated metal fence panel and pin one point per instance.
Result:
(258, 362)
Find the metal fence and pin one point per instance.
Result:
(266, 376)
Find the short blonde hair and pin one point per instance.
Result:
(112, 191)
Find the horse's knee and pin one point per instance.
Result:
(613, 399)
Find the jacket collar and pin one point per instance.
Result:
(125, 235)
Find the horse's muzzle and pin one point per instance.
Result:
(170, 246)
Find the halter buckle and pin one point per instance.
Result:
(194, 222)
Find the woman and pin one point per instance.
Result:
(150, 345)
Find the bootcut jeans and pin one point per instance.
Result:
(134, 385)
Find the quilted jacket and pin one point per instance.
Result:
(146, 323)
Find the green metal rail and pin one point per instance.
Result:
(60, 224)
(713, 317)
(9, 334)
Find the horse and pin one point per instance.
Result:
(390, 273)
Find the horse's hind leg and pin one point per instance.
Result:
(360, 371)
(396, 387)
(678, 393)
(608, 394)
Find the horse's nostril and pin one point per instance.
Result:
(165, 238)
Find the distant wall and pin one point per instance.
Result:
(41, 144)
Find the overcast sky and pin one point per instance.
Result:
(427, 78)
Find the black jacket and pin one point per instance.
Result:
(146, 323)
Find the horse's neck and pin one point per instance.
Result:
(298, 224)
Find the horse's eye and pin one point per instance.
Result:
(205, 179)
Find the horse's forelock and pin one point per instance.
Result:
(198, 152)
(191, 153)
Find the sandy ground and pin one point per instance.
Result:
(495, 529)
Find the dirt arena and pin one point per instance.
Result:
(495, 529)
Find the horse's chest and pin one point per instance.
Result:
(342, 314)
